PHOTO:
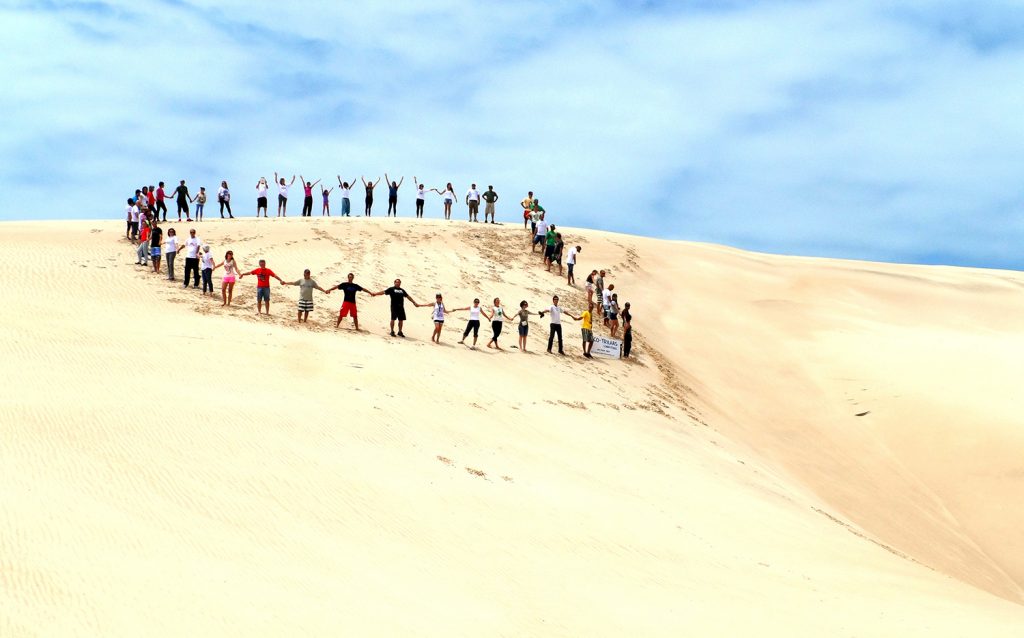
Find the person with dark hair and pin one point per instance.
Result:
(132, 215)
(326, 194)
(449, 196)
(282, 194)
(346, 196)
(306, 287)
(528, 220)
(160, 205)
(570, 262)
(437, 314)
(398, 296)
(497, 320)
(200, 200)
(307, 201)
(263, 275)
(192, 246)
(588, 330)
(369, 186)
(473, 325)
(170, 252)
(556, 253)
(393, 194)
(421, 195)
(224, 199)
(208, 264)
(490, 197)
(156, 235)
(182, 198)
(524, 323)
(227, 286)
(348, 304)
(556, 323)
(473, 201)
(627, 330)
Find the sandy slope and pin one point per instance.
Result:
(170, 467)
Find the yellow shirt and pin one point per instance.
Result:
(588, 324)
(527, 203)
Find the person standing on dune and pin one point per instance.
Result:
(208, 263)
(155, 241)
(473, 201)
(348, 305)
(227, 286)
(182, 199)
(448, 196)
(490, 197)
(527, 205)
(437, 314)
(571, 262)
(540, 234)
(473, 325)
(393, 194)
(627, 330)
(346, 197)
(421, 196)
(263, 275)
(261, 196)
(369, 186)
(224, 199)
(524, 323)
(307, 201)
(497, 320)
(398, 296)
(282, 194)
(160, 205)
(588, 330)
(556, 323)
(326, 194)
(306, 287)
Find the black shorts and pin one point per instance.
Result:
(261, 202)
(549, 251)
(182, 206)
(524, 328)
(398, 314)
(281, 199)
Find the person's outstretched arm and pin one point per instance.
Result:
(386, 178)
(489, 315)
(276, 179)
(400, 180)
(340, 185)
(377, 182)
(364, 179)
(303, 179)
(315, 183)
(293, 181)
(321, 289)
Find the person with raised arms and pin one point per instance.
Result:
(449, 196)
(224, 199)
(490, 197)
(326, 194)
(348, 304)
(306, 287)
(263, 275)
(307, 201)
(261, 196)
(437, 314)
(556, 313)
(421, 195)
(369, 186)
(398, 296)
(346, 196)
(282, 194)
(227, 286)
(473, 201)
(473, 325)
(497, 321)
(393, 187)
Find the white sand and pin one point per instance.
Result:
(171, 467)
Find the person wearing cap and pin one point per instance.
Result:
(489, 198)
(398, 296)
(192, 246)
(437, 314)
(556, 323)
(208, 264)
(306, 287)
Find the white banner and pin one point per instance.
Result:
(606, 348)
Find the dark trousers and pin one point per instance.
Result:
(473, 325)
(161, 206)
(192, 265)
(225, 204)
(556, 329)
(627, 342)
(419, 208)
(307, 207)
(393, 206)
(207, 279)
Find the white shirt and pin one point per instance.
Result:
(223, 193)
(607, 295)
(438, 311)
(448, 195)
(556, 314)
(283, 189)
(208, 261)
(171, 245)
(473, 195)
(572, 256)
(345, 192)
(474, 313)
(134, 212)
(421, 193)
(192, 245)
(542, 228)
(261, 190)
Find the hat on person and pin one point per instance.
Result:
(206, 248)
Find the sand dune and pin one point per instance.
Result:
(172, 467)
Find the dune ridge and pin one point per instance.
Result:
(802, 447)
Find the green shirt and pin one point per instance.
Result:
(550, 238)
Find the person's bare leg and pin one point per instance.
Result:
(401, 322)
(355, 320)
(231, 291)
(299, 317)
(224, 294)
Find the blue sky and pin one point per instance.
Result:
(873, 130)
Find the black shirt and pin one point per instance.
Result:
(155, 236)
(627, 317)
(350, 290)
(398, 296)
(182, 193)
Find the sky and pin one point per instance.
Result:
(887, 131)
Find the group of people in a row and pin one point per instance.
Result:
(153, 199)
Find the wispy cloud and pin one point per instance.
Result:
(870, 129)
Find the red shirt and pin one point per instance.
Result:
(160, 194)
(152, 199)
(144, 235)
(263, 276)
